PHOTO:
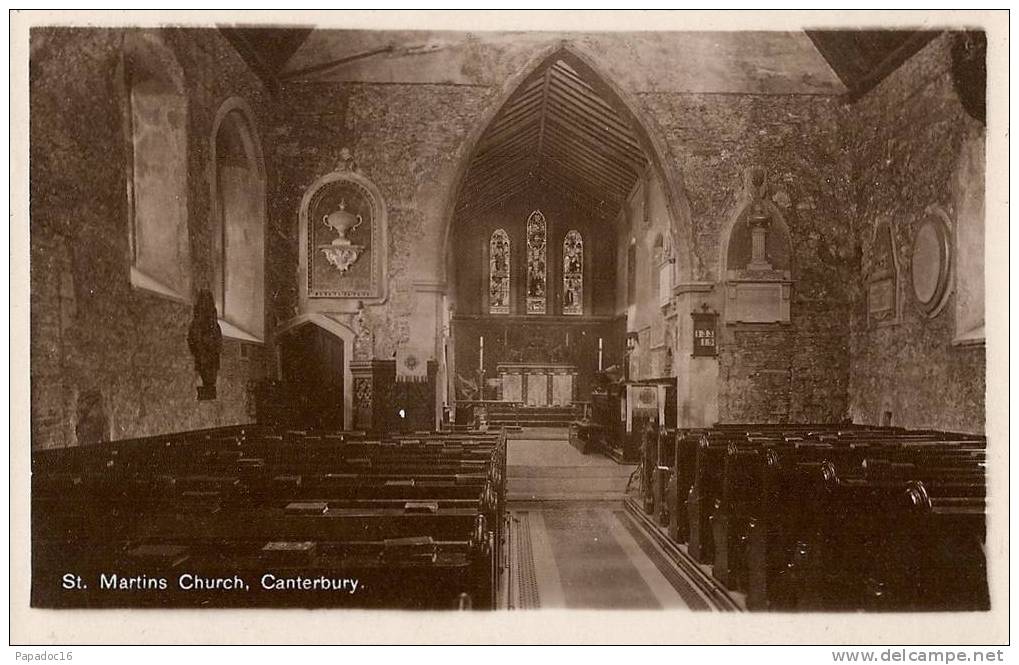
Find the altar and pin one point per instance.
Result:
(537, 384)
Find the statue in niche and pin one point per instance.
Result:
(758, 245)
(205, 341)
(758, 257)
(759, 220)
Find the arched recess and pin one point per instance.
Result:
(661, 166)
(343, 293)
(238, 221)
(337, 329)
(155, 115)
(755, 261)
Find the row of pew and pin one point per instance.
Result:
(826, 517)
(258, 516)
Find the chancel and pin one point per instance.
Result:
(508, 320)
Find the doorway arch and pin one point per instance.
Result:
(342, 332)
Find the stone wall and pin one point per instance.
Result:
(908, 138)
(103, 351)
(406, 139)
(796, 372)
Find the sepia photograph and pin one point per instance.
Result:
(426, 315)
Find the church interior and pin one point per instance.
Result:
(508, 320)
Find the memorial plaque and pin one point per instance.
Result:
(881, 296)
(705, 327)
(759, 303)
(930, 264)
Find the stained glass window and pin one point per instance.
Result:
(499, 273)
(573, 273)
(536, 270)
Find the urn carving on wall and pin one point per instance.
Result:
(344, 242)
(341, 253)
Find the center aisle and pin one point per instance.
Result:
(572, 544)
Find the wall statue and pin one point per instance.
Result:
(205, 341)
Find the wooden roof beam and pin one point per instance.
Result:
(623, 148)
(526, 136)
(481, 202)
(590, 147)
(593, 99)
(553, 172)
(507, 166)
(544, 110)
(609, 120)
(598, 179)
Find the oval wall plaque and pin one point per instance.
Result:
(931, 264)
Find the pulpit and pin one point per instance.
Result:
(537, 384)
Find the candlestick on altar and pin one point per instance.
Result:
(599, 354)
(481, 353)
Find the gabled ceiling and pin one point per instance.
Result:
(558, 128)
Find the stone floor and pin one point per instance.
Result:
(572, 544)
(552, 469)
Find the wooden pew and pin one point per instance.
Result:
(789, 511)
(422, 501)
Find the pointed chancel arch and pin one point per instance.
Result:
(562, 129)
(647, 136)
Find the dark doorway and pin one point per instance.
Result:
(312, 369)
